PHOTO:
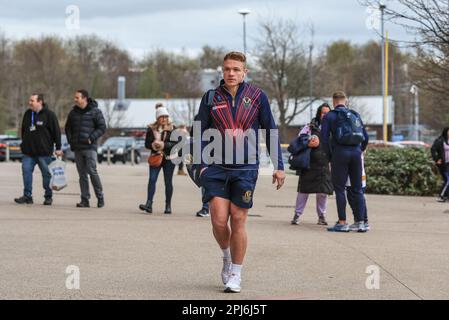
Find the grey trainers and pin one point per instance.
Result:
(358, 227)
(339, 228)
(322, 221)
(367, 227)
(295, 219)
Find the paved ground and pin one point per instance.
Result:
(123, 254)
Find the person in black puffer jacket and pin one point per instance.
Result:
(317, 179)
(85, 124)
(440, 154)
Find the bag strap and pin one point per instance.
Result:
(210, 97)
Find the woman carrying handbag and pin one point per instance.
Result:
(158, 141)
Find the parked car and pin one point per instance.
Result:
(380, 144)
(13, 144)
(119, 149)
(413, 144)
(69, 155)
(140, 145)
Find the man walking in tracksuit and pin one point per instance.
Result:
(348, 140)
(237, 107)
(40, 135)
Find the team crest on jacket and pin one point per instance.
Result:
(247, 196)
(247, 102)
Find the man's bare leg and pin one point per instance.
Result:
(219, 213)
(238, 247)
(238, 234)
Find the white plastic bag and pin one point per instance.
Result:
(58, 179)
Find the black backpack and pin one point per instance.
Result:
(349, 129)
(194, 169)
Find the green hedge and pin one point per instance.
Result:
(408, 171)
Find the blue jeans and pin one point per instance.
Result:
(168, 167)
(28, 164)
(444, 171)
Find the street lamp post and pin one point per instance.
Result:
(414, 90)
(382, 8)
(244, 12)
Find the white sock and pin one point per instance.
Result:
(227, 254)
(236, 269)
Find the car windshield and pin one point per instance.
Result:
(116, 142)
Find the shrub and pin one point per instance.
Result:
(408, 171)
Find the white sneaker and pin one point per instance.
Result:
(226, 270)
(233, 285)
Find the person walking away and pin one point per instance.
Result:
(349, 140)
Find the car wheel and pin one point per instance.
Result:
(113, 161)
(138, 159)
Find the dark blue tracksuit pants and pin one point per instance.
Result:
(346, 161)
(351, 203)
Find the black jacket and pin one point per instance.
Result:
(46, 134)
(317, 179)
(437, 150)
(83, 125)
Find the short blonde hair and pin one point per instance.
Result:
(339, 95)
(235, 55)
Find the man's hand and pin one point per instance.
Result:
(279, 177)
(88, 141)
(439, 162)
(59, 153)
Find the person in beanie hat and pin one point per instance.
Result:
(158, 141)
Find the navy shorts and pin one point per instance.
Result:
(235, 185)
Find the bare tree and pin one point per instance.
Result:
(113, 117)
(428, 21)
(282, 70)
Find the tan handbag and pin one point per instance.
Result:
(155, 160)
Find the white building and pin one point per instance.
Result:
(141, 112)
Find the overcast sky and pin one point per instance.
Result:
(143, 25)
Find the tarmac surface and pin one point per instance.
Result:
(124, 254)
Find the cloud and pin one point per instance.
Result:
(142, 25)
